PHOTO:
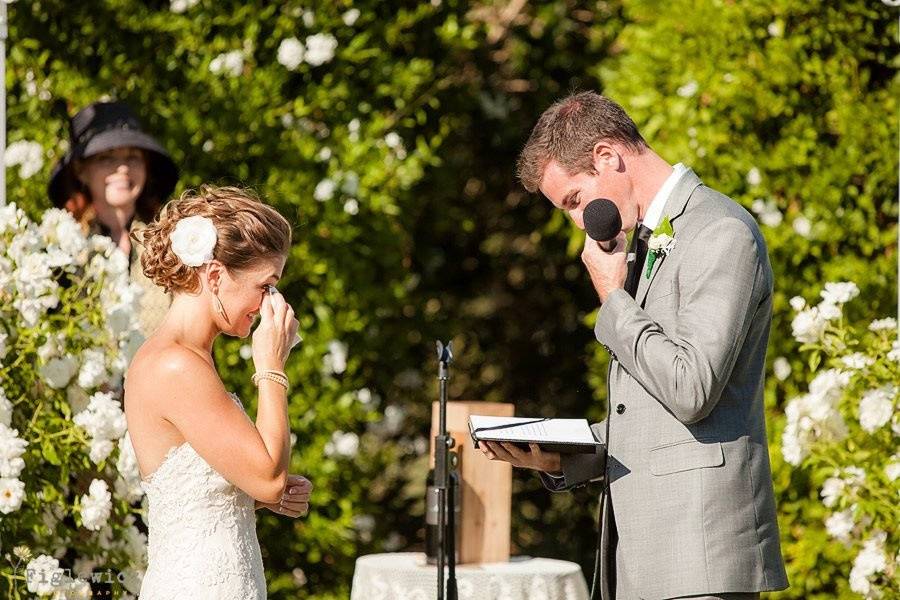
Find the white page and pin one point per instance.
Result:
(570, 431)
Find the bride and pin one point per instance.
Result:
(206, 465)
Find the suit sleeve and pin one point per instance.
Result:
(721, 282)
(579, 469)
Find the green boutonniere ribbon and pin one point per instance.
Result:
(661, 242)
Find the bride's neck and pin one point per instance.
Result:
(190, 323)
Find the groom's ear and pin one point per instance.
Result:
(605, 157)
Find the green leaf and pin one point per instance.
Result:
(651, 258)
(49, 452)
(665, 227)
(814, 360)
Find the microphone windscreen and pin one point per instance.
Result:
(602, 221)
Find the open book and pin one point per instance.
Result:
(567, 436)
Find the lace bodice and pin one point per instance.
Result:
(202, 533)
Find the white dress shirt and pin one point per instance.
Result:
(654, 211)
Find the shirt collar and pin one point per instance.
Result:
(654, 212)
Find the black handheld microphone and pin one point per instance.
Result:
(602, 222)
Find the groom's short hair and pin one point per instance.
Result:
(567, 133)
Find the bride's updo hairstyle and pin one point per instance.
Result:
(247, 230)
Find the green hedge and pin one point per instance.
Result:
(423, 108)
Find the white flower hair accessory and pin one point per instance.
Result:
(193, 240)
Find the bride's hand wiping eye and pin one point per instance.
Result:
(275, 335)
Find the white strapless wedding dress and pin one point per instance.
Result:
(202, 541)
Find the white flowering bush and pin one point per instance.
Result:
(845, 429)
(69, 484)
(386, 133)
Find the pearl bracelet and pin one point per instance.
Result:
(278, 377)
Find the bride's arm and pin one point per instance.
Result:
(253, 457)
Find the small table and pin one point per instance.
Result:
(406, 576)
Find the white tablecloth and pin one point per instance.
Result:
(406, 576)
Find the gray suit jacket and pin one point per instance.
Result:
(688, 469)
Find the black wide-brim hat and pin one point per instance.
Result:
(104, 126)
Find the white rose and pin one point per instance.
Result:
(892, 469)
(753, 176)
(336, 359)
(180, 6)
(364, 395)
(12, 492)
(688, 89)
(324, 190)
(857, 360)
(839, 292)
(42, 575)
(342, 444)
(802, 226)
(193, 240)
(869, 561)
(894, 354)
(829, 310)
(876, 408)
(885, 324)
(93, 369)
(229, 63)
(350, 17)
(28, 155)
(96, 505)
(782, 368)
(662, 242)
(100, 450)
(808, 325)
(104, 421)
(290, 53)
(12, 447)
(320, 48)
(840, 524)
(832, 490)
(351, 206)
(798, 303)
(12, 218)
(63, 237)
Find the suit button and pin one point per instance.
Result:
(620, 409)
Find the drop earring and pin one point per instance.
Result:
(219, 307)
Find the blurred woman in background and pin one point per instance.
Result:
(114, 179)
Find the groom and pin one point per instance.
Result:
(688, 509)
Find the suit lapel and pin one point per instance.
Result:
(674, 207)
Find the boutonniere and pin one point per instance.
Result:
(661, 242)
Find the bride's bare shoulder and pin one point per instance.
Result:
(161, 363)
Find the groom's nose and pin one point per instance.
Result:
(577, 216)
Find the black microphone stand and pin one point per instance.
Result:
(442, 482)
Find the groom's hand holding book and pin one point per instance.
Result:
(533, 458)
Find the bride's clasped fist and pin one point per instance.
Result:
(294, 500)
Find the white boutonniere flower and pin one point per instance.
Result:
(661, 242)
(193, 240)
